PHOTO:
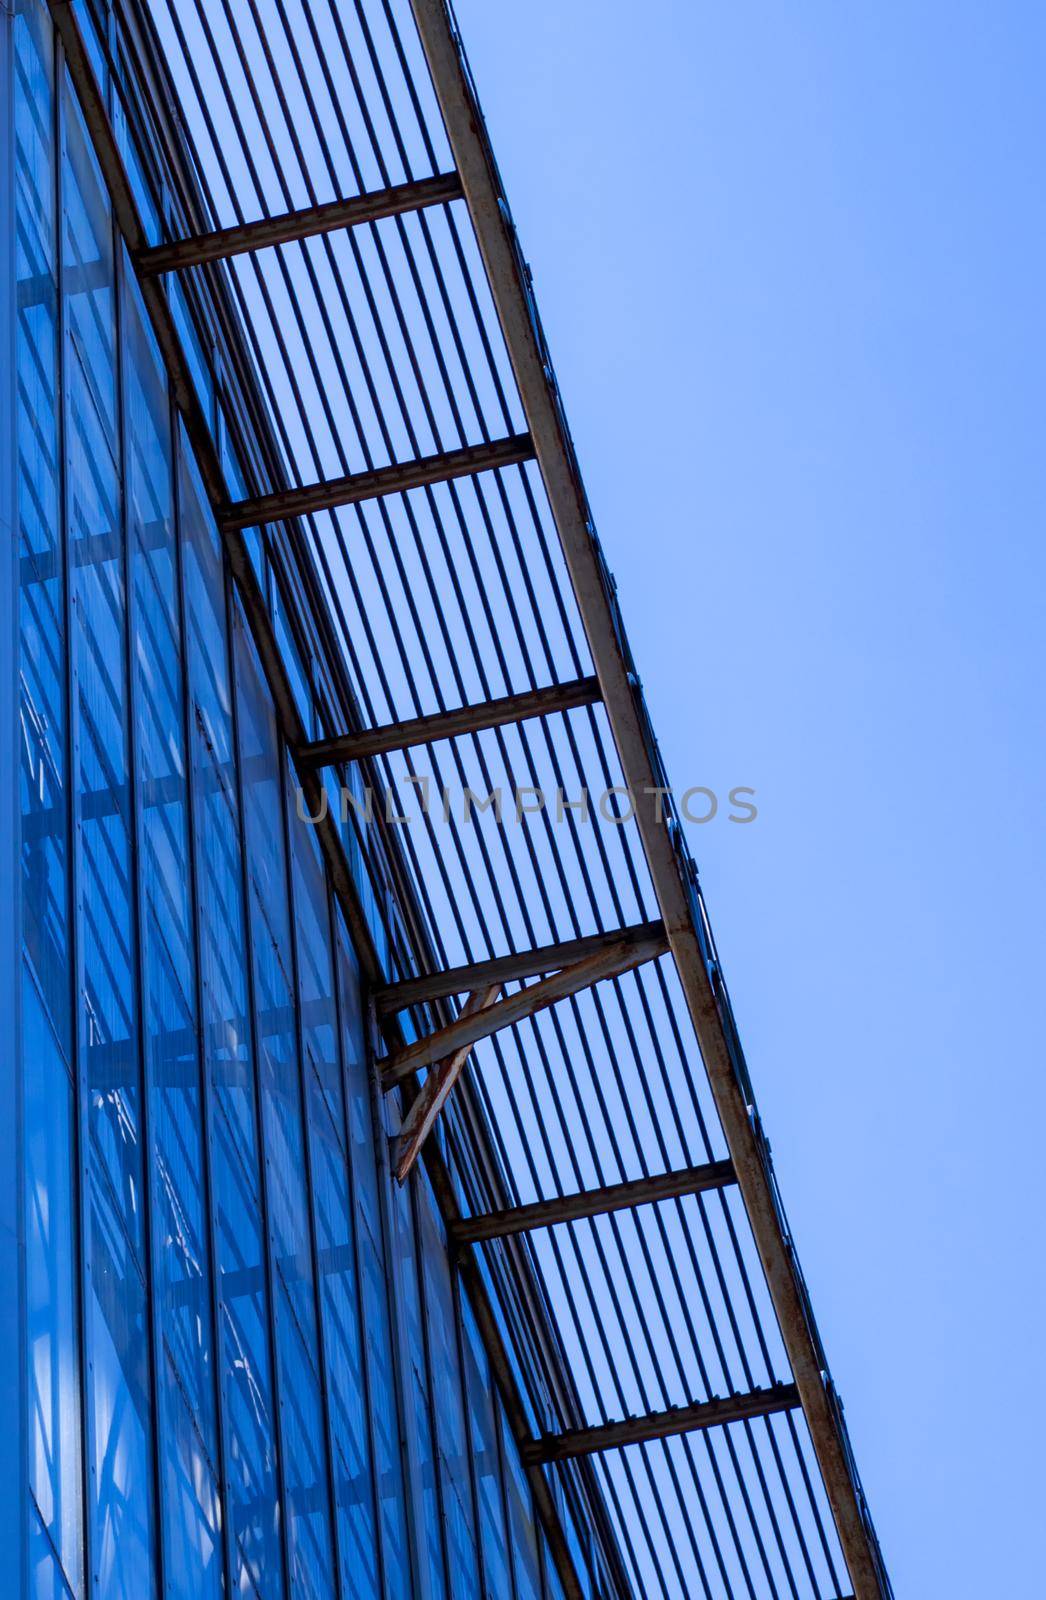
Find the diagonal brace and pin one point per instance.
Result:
(609, 963)
(419, 1121)
(507, 969)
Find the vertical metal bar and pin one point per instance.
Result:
(14, 1491)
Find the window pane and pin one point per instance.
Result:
(119, 1354)
(246, 1371)
(384, 1409)
(192, 1534)
(301, 1407)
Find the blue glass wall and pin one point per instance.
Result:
(248, 1366)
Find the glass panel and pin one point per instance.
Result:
(305, 1466)
(523, 1531)
(429, 1513)
(121, 1457)
(46, 1579)
(246, 1358)
(52, 1334)
(486, 1461)
(384, 1410)
(51, 1269)
(451, 1433)
(335, 1241)
(192, 1535)
(44, 798)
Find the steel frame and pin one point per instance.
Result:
(509, 283)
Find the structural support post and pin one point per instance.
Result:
(509, 283)
(450, 724)
(662, 1424)
(593, 1202)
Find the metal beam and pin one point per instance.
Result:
(661, 1424)
(517, 313)
(593, 1202)
(397, 479)
(508, 969)
(608, 963)
(449, 724)
(418, 1123)
(304, 224)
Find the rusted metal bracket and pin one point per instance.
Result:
(611, 962)
(449, 724)
(397, 479)
(593, 1202)
(421, 1118)
(290, 225)
(508, 969)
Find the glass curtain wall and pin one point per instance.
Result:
(249, 1368)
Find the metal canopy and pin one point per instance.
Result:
(386, 382)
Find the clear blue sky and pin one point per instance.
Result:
(792, 263)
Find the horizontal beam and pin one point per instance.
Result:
(609, 963)
(594, 1202)
(397, 479)
(449, 724)
(507, 969)
(661, 1424)
(304, 224)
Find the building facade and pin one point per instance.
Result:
(240, 1357)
